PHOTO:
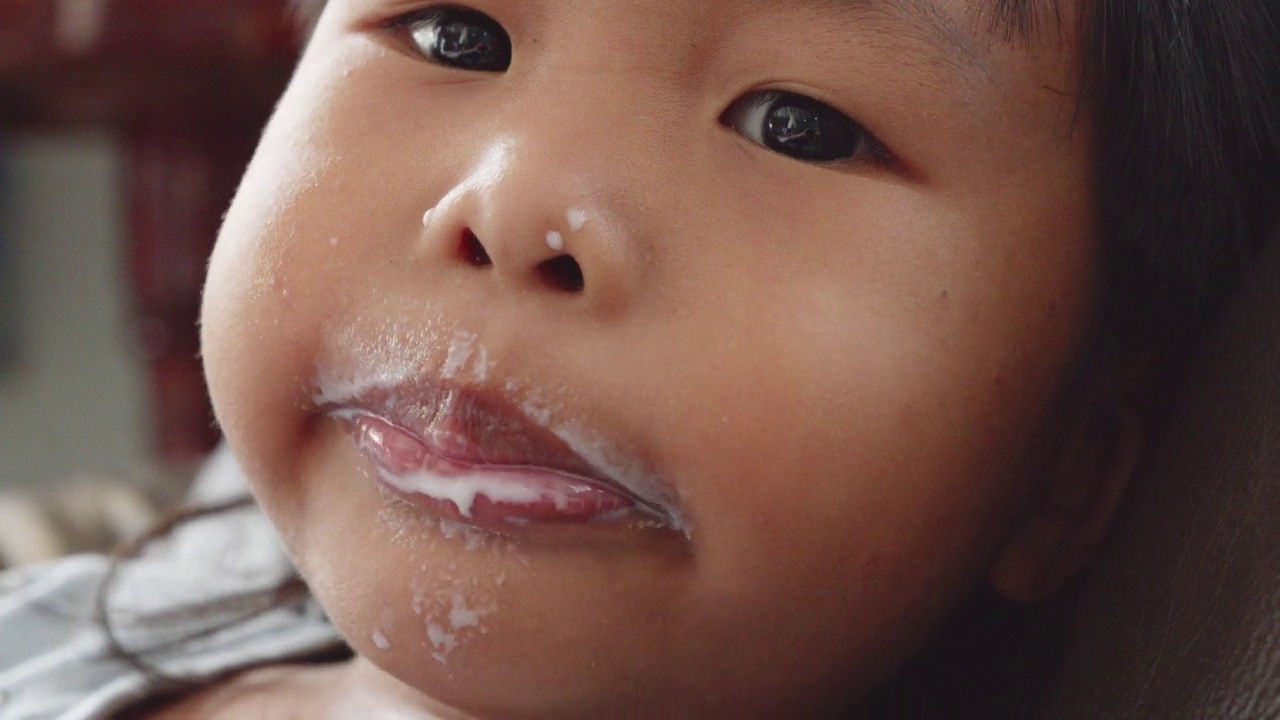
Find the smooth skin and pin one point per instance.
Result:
(855, 373)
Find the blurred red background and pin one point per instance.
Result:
(185, 86)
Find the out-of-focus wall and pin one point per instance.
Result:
(75, 399)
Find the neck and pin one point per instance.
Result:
(366, 688)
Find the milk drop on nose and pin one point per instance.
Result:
(555, 241)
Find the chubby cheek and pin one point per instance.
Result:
(858, 457)
(259, 320)
(844, 518)
(295, 249)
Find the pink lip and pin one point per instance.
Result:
(466, 455)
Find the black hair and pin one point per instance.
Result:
(1183, 95)
(1183, 102)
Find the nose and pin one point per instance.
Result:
(530, 219)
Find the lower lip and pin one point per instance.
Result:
(476, 494)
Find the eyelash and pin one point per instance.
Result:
(807, 130)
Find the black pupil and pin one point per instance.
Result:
(809, 130)
(472, 43)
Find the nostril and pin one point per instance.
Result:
(563, 273)
(472, 250)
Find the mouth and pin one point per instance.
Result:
(466, 454)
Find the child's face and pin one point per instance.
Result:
(839, 375)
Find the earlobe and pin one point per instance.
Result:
(1066, 525)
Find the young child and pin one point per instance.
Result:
(683, 359)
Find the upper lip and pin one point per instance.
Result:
(477, 426)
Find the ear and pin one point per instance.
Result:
(1069, 518)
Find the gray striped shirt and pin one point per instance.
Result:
(55, 659)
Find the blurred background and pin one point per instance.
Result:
(124, 128)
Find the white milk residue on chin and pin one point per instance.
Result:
(461, 616)
(379, 634)
(442, 641)
(448, 630)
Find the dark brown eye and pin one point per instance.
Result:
(798, 127)
(458, 38)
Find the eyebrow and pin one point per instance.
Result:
(925, 20)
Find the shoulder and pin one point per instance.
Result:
(45, 605)
(169, 606)
(46, 622)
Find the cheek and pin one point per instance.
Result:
(299, 238)
(869, 414)
(262, 306)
